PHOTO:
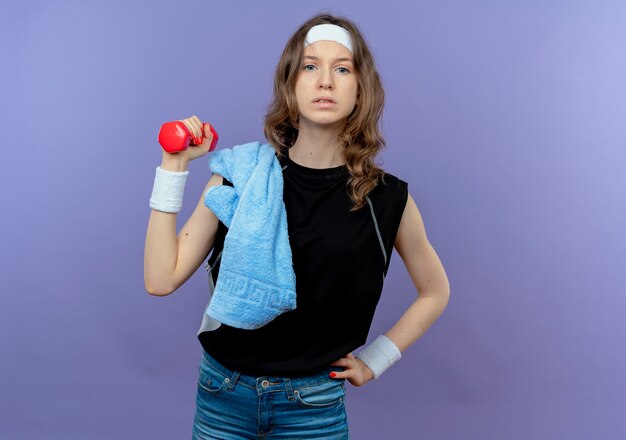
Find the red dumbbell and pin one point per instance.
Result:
(174, 137)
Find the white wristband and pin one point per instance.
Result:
(381, 354)
(168, 189)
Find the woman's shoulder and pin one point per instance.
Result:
(391, 191)
(393, 178)
(390, 183)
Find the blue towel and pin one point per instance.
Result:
(256, 281)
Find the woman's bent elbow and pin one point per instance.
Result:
(157, 290)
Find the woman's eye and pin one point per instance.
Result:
(311, 67)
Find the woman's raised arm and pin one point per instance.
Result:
(170, 259)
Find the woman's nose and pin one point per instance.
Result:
(326, 85)
(326, 81)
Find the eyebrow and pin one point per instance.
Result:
(336, 59)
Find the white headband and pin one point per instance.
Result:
(330, 32)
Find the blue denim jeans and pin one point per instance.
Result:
(231, 405)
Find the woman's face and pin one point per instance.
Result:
(326, 71)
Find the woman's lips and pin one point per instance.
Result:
(323, 104)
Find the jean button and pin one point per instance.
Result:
(265, 383)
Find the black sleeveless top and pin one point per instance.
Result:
(340, 260)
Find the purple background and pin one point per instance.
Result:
(508, 120)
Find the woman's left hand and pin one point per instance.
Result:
(357, 373)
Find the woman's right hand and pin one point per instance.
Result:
(179, 161)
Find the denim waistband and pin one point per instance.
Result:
(253, 381)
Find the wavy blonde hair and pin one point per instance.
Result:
(361, 139)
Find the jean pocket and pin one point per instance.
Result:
(211, 380)
(324, 394)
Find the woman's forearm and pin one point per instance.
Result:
(417, 319)
(160, 253)
(161, 248)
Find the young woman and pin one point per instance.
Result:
(345, 215)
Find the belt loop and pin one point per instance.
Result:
(288, 388)
(233, 380)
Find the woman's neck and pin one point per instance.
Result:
(317, 147)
